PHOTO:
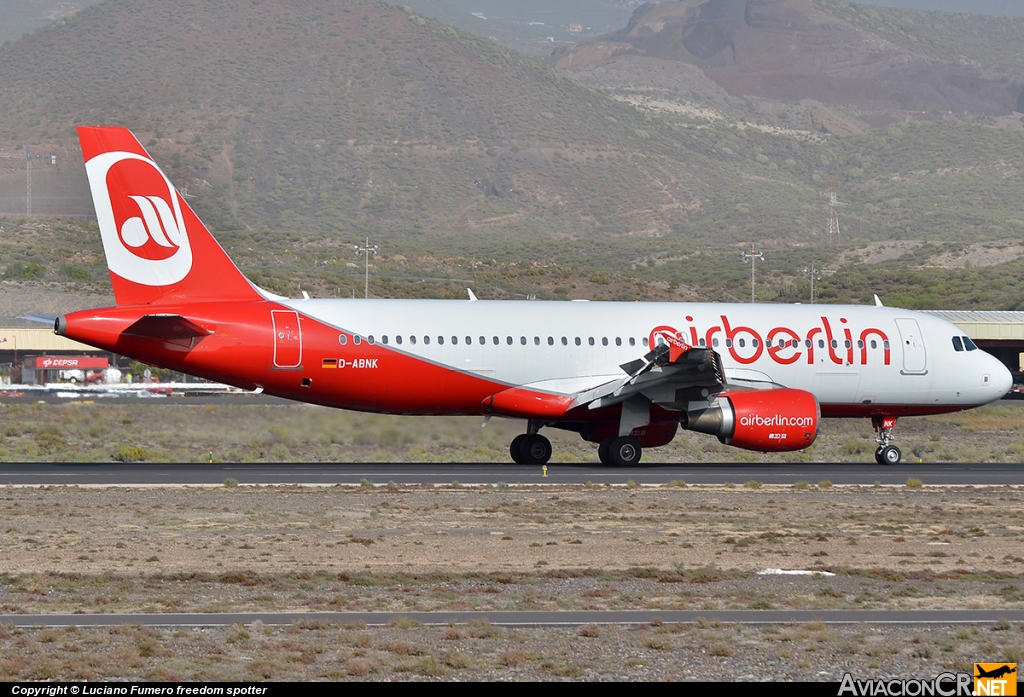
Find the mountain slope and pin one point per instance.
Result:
(356, 116)
(826, 50)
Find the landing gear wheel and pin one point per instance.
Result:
(624, 451)
(516, 449)
(534, 450)
(891, 455)
(878, 455)
(602, 452)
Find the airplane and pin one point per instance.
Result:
(626, 376)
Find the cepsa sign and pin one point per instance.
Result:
(71, 363)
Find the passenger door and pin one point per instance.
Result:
(915, 360)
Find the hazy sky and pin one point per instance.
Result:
(990, 7)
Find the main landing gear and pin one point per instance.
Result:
(886, 453)
(530, 449)
(624, 451)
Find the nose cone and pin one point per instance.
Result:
(1002, 379)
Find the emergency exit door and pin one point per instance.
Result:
(287, 339)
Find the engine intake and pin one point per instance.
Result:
(763, 420)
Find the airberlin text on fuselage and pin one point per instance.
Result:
(785, 346)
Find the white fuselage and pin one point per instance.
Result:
(857, 357)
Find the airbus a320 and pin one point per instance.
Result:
(625, 376)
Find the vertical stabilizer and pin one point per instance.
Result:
(157, 249)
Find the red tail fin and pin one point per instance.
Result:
(157, 249)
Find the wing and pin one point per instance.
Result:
(672, 376)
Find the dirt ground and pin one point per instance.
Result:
(232, 548)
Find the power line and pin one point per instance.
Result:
(366, 250)
(751, 259)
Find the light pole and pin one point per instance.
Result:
(751, 258)
(812, 273)
(366, 250)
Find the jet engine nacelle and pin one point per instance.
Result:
(763, 420)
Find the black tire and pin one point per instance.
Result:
(624, 451)
(535, 450)
(602, 452)
(878, 455)
(891, 455)
(516, 449)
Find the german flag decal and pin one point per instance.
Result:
(330, 363)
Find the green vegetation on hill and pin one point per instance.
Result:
(954, 36)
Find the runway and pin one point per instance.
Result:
(524, 618)
(844, 473)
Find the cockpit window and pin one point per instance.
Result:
(957, 344)
(969, 344)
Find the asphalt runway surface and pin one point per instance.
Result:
(525, 618)
(840, 473)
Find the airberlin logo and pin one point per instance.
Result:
(139, 213)
(777, 420)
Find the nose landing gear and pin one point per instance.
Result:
(886, 453)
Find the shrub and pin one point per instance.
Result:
(128, 453)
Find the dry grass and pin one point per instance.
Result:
(294, 433)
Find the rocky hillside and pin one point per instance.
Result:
(872, 60)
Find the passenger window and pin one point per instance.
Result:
(702, 342)
(632, 341)
(728, 343)
(522, 341)
(551, 341)
(342, 339)
(970, 344)
(714, 342)
(356, 340)
(455, 340)
(440, 340)
(821, 343)
(885, 344)
(743, 343)
(536, 341)
(860, 343)
(835, 344)
(370, 339)
(426, 340)
(495, 340)
(578, 342)
(767, 343)
(483, 341)
(469, 341)
(412, 338)
(590, 341)
(398, 339)
(847, 343)
(508, 340)
(644, 341)
(384, 340)
(807, 343)
(565, 342)
(618, 341)
(604, 341)
(874, 344)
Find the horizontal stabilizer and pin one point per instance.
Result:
(172, 328)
